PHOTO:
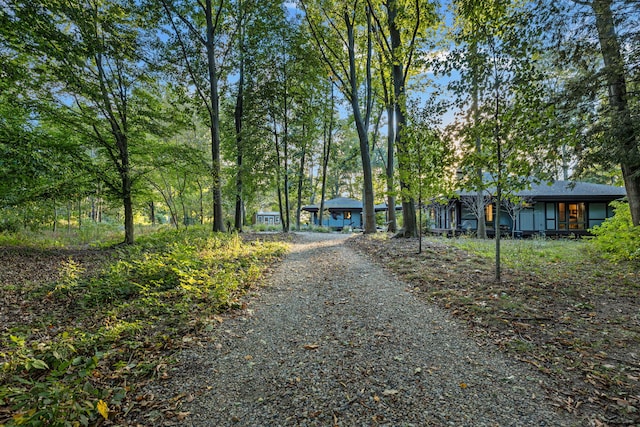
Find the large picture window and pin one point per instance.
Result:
(571, 216)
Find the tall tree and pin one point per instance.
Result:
(239, 116)
(258, 24)
(88, 59)
(508, 85)
(431, 157)
(607, 29)
(199, 33)
(343, 33)
(468, 20)
(401, 25)
(327, 141)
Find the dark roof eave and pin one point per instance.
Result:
(577, 198)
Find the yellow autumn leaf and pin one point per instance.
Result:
(103, 409)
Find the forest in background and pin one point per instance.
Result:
(168, 111)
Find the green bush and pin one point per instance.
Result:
(266, 227)
(616, 238)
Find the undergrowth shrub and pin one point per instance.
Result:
(616, 238)
(148, 298)
(266, 227)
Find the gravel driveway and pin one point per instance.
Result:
(336, 341)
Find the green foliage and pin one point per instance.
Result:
(429, 156)
(265, 227)
(617, 238)
(50, 383)
(101, 234)
(150, 297)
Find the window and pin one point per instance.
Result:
(488, 212)
(597, 213)
(550, 216)
(571, 216)
(347, 215)
(562, 216)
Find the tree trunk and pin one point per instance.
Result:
(152, 212)
(285, 153)
(55, 216)
(79, 213)
(326, 154)
(362, 124)
(399, 94)
(69, 210)
(300, 185)
(496, 226)
(392, 225)
(498, 141)
(279, 177)
(214, 117)
(201, 202)
(481, 229)
(623, 126)
(238, 114)
(128, 207)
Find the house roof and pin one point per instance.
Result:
(342, 204)
(568, 190)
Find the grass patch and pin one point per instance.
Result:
(84, 342)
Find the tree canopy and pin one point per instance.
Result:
(209, 112)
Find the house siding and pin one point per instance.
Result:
(268, 218)
(339, 220)
(559, 208)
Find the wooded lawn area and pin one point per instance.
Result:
(560, 307)
(83, 330)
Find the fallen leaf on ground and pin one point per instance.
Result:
(103, 409)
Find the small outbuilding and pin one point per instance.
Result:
(268, 218)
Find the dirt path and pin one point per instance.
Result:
(335, 341)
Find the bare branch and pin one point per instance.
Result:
(186, 22)
(412, 44)
(186, 57)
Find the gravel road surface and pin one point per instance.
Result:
(333, 340)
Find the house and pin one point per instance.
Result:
(556, 209)
(341, 213)
(268, 218)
